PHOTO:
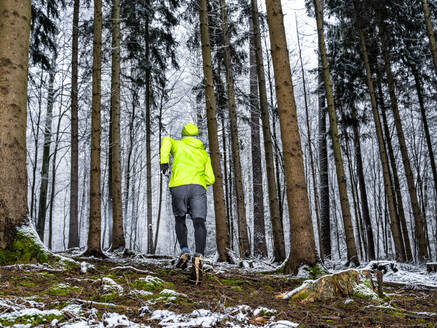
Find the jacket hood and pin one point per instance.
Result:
(193, 142)
(190, 130)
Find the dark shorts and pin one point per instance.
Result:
(189, 199)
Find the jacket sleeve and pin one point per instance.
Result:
(166, 149)
(209, 173)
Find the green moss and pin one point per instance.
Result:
(47, 275)
(367, 283)
(63, 290)
(231, 282)
(24, 250)
(108, 297)
(150, 284)
(27, 283)
(300, 296)
(316, 271)
(237, 288)
(33, 320)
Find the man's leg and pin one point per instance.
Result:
(197, 208)
(180, 205)
(200, 235)
(181, 234)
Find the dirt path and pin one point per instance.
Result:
(116, 287)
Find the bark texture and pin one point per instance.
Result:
(352, 255)
(222, 236)
(148, 146)
(259, 231)
(275, 214)
(94, 233)
(118, 240)
(73, 232)
(302, 248)
(243, 239)
(43, 189)
(418, 220)
(14, 50)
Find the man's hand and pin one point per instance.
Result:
(164, 168)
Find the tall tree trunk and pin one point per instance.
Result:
(148, 146)
(396, 188)
(431, 33)
(94, 233)
(158, 219)
(325, 221)
(302, 247)
(73, 233)
(341, 178)
(310, 147)
(243, 239)
(418, 86)
(363, 193)
(222, 236)
(118, 240)
(355, 198)
(42, 208)
(275, 213)
(35, 133)
(381, 145)
(53, 182)
(418, 220)
(259, 231)
(14, 51)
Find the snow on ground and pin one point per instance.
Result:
(239, 316)
(410, 275)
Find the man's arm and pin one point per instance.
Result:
(166, 148)
(209, 173)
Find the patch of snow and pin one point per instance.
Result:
(169, 292)
(72, 308)
(264, 311)
(412, 278)
(140, 292)
(365, 291)
(305, 284)
(152, 279)
(282, 324)
(161, 314)
(348, 300)
(30, 312)
(84, 267)
(110, 285)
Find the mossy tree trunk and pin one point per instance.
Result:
(352, 255)
(94, 234)
(243, 239)
(14, 50)
(73, 232)
(274, 206)
(302, 248)
(222, 236)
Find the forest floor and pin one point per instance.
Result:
(151, 293)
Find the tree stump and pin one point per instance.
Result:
(358, 283)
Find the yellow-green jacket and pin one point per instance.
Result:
(191, 163)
